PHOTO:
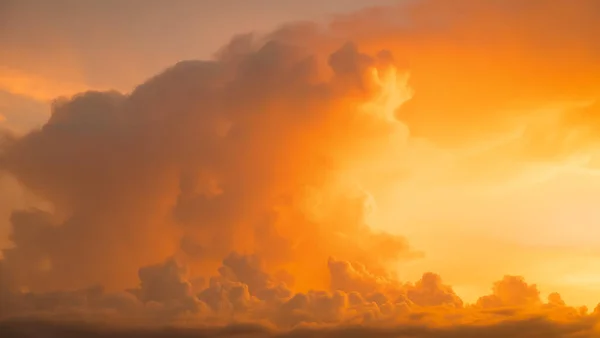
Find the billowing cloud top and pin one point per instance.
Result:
(240, 190)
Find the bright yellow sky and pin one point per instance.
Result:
(490, 167)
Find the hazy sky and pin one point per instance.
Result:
(108, 44)
(445, 160)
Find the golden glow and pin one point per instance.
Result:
(328, 184)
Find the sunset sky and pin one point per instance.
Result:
(309, 163)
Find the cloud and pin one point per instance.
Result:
(235, 190)
(242, 292)
(430, 291)
(130, 177)
(511, 291)
(517, 329)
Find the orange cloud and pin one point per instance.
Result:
(157, 197)
(238, 190)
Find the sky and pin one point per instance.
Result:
(422, 168)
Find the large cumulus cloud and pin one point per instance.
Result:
(226, 191)
(204, 158)
(244, 153)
